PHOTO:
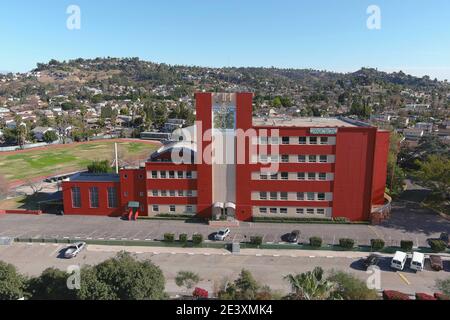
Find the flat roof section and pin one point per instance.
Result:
(95, 177)
(302, 122)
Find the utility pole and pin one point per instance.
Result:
(116, 158)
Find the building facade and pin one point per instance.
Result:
(232, 164)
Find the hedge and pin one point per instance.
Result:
(183, 238)
(256, 240)
(438, 245)
(424, 296)
(377, 244)
(315, 242)
(197, 239)
(337, 220)
(441, 296)
(169, 237)
(406, 245)
(347, 243)
(394, 295)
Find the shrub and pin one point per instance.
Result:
(315, 242)
(438, 245)
(424, 296)
(441, 296)
(347, 243)
(406, 245)
(183, 238)
(197, 239)
(351, 288)
(394, 295)
(169, 237)
(200, 293)
(377, 244)
(256, 240)
(341, 220)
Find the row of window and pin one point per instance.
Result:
(173, 193)
(172, 175)
(309, 211)
(303, 176)
(285, 158)
(172, 208)
(300, 196)
(94, 197)
(294, 140)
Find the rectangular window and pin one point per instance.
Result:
(320, 211)
(273, 210)
(274, 176)
(163, 193)
(300, 196)
(263, 140)
(275, 158)
(263, 158)
(189, 175)
(155, 193)
(263, 210)
(302, 140)
(324, 140)
(189, 193)
(310, 211)
(112, 197)
(274, 140)
(311, 176)
(274, 196)
(172, 208)
(312, 159)
(180, 193)
(283, 196)
(76, 197)
(263, 176)
(300, 175)
(154, 174)
(301, 159)
(162, 174)
(312, 140)
(284, 176)
(311, 196)
(321, 196)
(172, 193)
(322, 176)
(155, 208)
(285, 140)
(180, 174)
(189, 209)
(93, 197)
(285, 158)
(263, 196)
(300, 211)
(323, 159)
(283, 210)
(171, 174)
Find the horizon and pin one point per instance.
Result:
(336, 37)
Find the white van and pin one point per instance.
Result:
(399, 260)
(418, 261)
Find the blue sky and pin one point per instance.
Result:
(319, 34)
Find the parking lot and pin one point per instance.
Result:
(407, 223)
(216, 266)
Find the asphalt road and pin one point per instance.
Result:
(408, 222)
(218, 266)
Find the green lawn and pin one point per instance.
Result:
(54, 160)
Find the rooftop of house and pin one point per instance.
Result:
(286, 121)
(94, 177)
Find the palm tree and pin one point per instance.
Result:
(311, 286)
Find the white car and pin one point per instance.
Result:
(418, 261)
(74, 250)
(399, 260)
(222, 234)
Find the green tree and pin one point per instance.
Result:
(444, 286)
(12, 284)
(91, 288)
(395, 174)
(50, 136)
(245, 287)
(51, 285)
(99, 167)
(311, 285)
(435, 174)
(351, 288)
(276, 102)
(187, 279)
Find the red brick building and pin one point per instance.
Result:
(236, 165)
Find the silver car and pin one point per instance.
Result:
(74, 250)
(222, 234)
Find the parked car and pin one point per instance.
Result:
(399, 260)
(222, 234)
(418, 261)
(73, 250)
(436, 263)
(293, 237)
(371, 260)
